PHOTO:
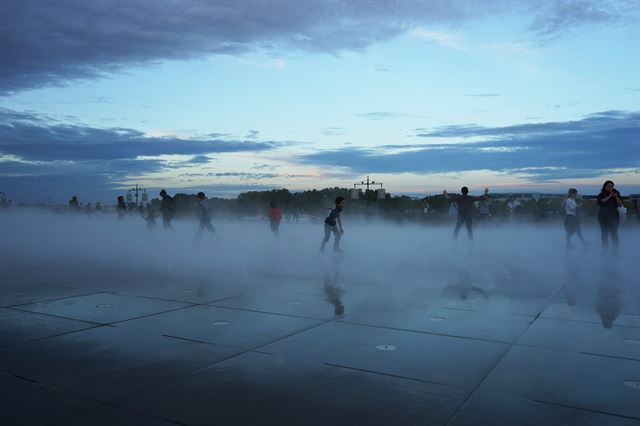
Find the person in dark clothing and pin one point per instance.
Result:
(275, 216)
(205, 215)
(121, 207)
(609, 200)
(168, 209)
(464, 203)
(73, 204)
(331, 225)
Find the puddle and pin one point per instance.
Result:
(633, 384)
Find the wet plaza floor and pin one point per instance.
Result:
(87, 346)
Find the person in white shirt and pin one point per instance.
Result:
(514, 207)
(571, 219)
(205, 215)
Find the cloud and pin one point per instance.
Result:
(55, 42)
(381, 115)
(33, 137)
(589, 147)
(40, 155)
(437, 37)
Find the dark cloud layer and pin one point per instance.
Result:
(57, 41)
(546, 151)
(32, 137)
(39, 155)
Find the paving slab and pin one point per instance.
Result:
(26, 403)
(588, 382)
(108, 415)
(19, 326)
(14, 293)
(262, 389)
(108, 362)
(449, 360)
(454, 322)
(103, 308)
(227, 327)
(584, 337)
(486, 409)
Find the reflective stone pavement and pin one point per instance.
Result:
(88, 346)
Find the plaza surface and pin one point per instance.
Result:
(90, 345)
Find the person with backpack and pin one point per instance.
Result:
(168, 209)
(333, 224)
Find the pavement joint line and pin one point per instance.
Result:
(151, 314)
(490, 370)
(44, 385)
(591, 410)
(55, 299)
(56, 316)
(177, 300)
(381, 373)
(551, 348)
(195, 341)
(48, 337)
(264, 312)
(487, 312)
(423, 332)
(587, 322)
(242, 352)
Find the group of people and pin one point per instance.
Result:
(609, 202)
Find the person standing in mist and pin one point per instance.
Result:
(464, 203)
(333, 224)
(205, 215)
(73, 204)
(571, 219)
(121, 207)
(275, 216)
(168, 209)
(609, 200)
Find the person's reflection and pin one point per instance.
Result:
(609, 302)
(332, 288)
(463, 287)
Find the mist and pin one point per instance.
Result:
(508, 267)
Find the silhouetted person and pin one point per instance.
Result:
(74, 205)
(609, 200)
(121, 207)
(333, 224)
(88, 209)
(275, 216)
(150, 218)
(205, 215)
(98, 207)
(464, 203)
(168, 209)
(571, 218)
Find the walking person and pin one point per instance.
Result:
(571, 218)
(205, 215)
(168, 209)
(333, 224)
(464, 203)
(275, 216)
(609, 200)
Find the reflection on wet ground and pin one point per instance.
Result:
(322, 348)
